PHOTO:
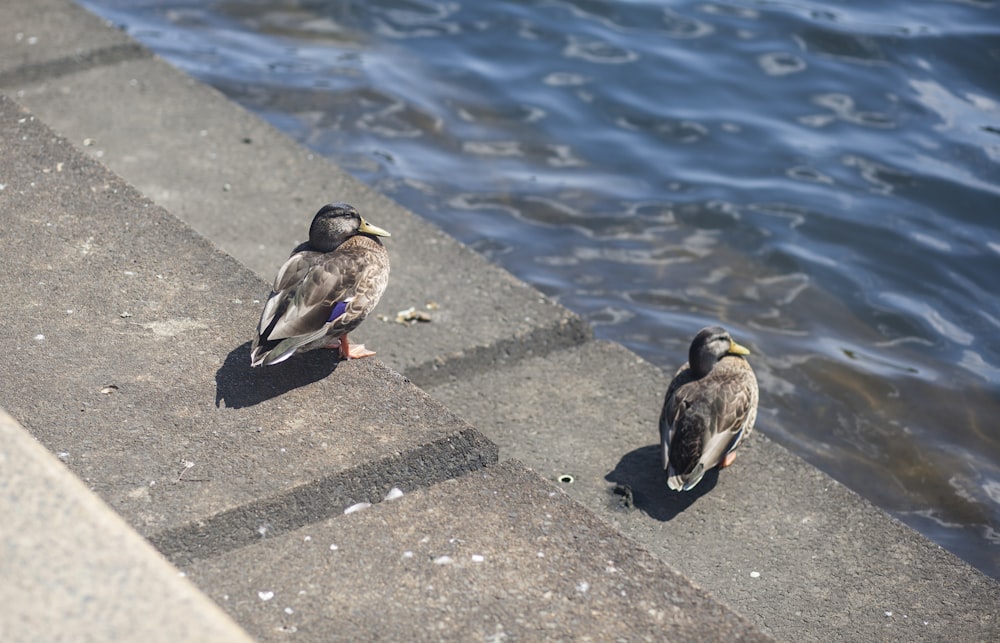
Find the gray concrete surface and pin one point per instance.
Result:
(796, 553)
(128, 338)
(496, 555)
(801, 555)
(129, 360)
(68, 560)
(253, 192)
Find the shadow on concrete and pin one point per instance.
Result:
(641, 472)
(237, 385)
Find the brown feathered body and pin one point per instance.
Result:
(325, 289)
(709, 409)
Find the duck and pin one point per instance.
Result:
(325, 289)
(709, 410)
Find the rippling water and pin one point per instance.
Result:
(821, 177)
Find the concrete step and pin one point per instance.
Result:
(129, 345)
(252, 191)
(129, 359)
(72, 568)
(801, 555)
(495, 555)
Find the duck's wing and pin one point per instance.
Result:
(713, 417)
(298, 310)
(358, 274)
(317, 295)
(673, 409)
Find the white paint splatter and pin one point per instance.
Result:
(357, 507)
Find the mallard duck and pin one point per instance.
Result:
(709, 409)
(325, 289)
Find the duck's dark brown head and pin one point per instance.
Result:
(335, 223)
(709, 346)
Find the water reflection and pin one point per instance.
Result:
(820, 179)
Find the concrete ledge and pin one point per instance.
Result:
(123, 319)
(253, 192)
(73, 570)
(128, 339)
(798, 553)
(49, 38)
(495, 555)
(367, 482)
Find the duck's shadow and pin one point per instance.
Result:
(237, 385)
(641, 471)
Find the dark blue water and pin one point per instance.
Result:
(821, 177)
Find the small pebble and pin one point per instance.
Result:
(754, 574)
(265, 596)
(394, 493)
(477, 558)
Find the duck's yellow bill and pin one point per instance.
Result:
(736, 349)
(368, 228)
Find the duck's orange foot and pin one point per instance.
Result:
(357, 351)
(728, 460)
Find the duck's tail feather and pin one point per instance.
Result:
(681, 482)
(268, 352)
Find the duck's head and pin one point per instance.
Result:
(335, 223)
(709, 346)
